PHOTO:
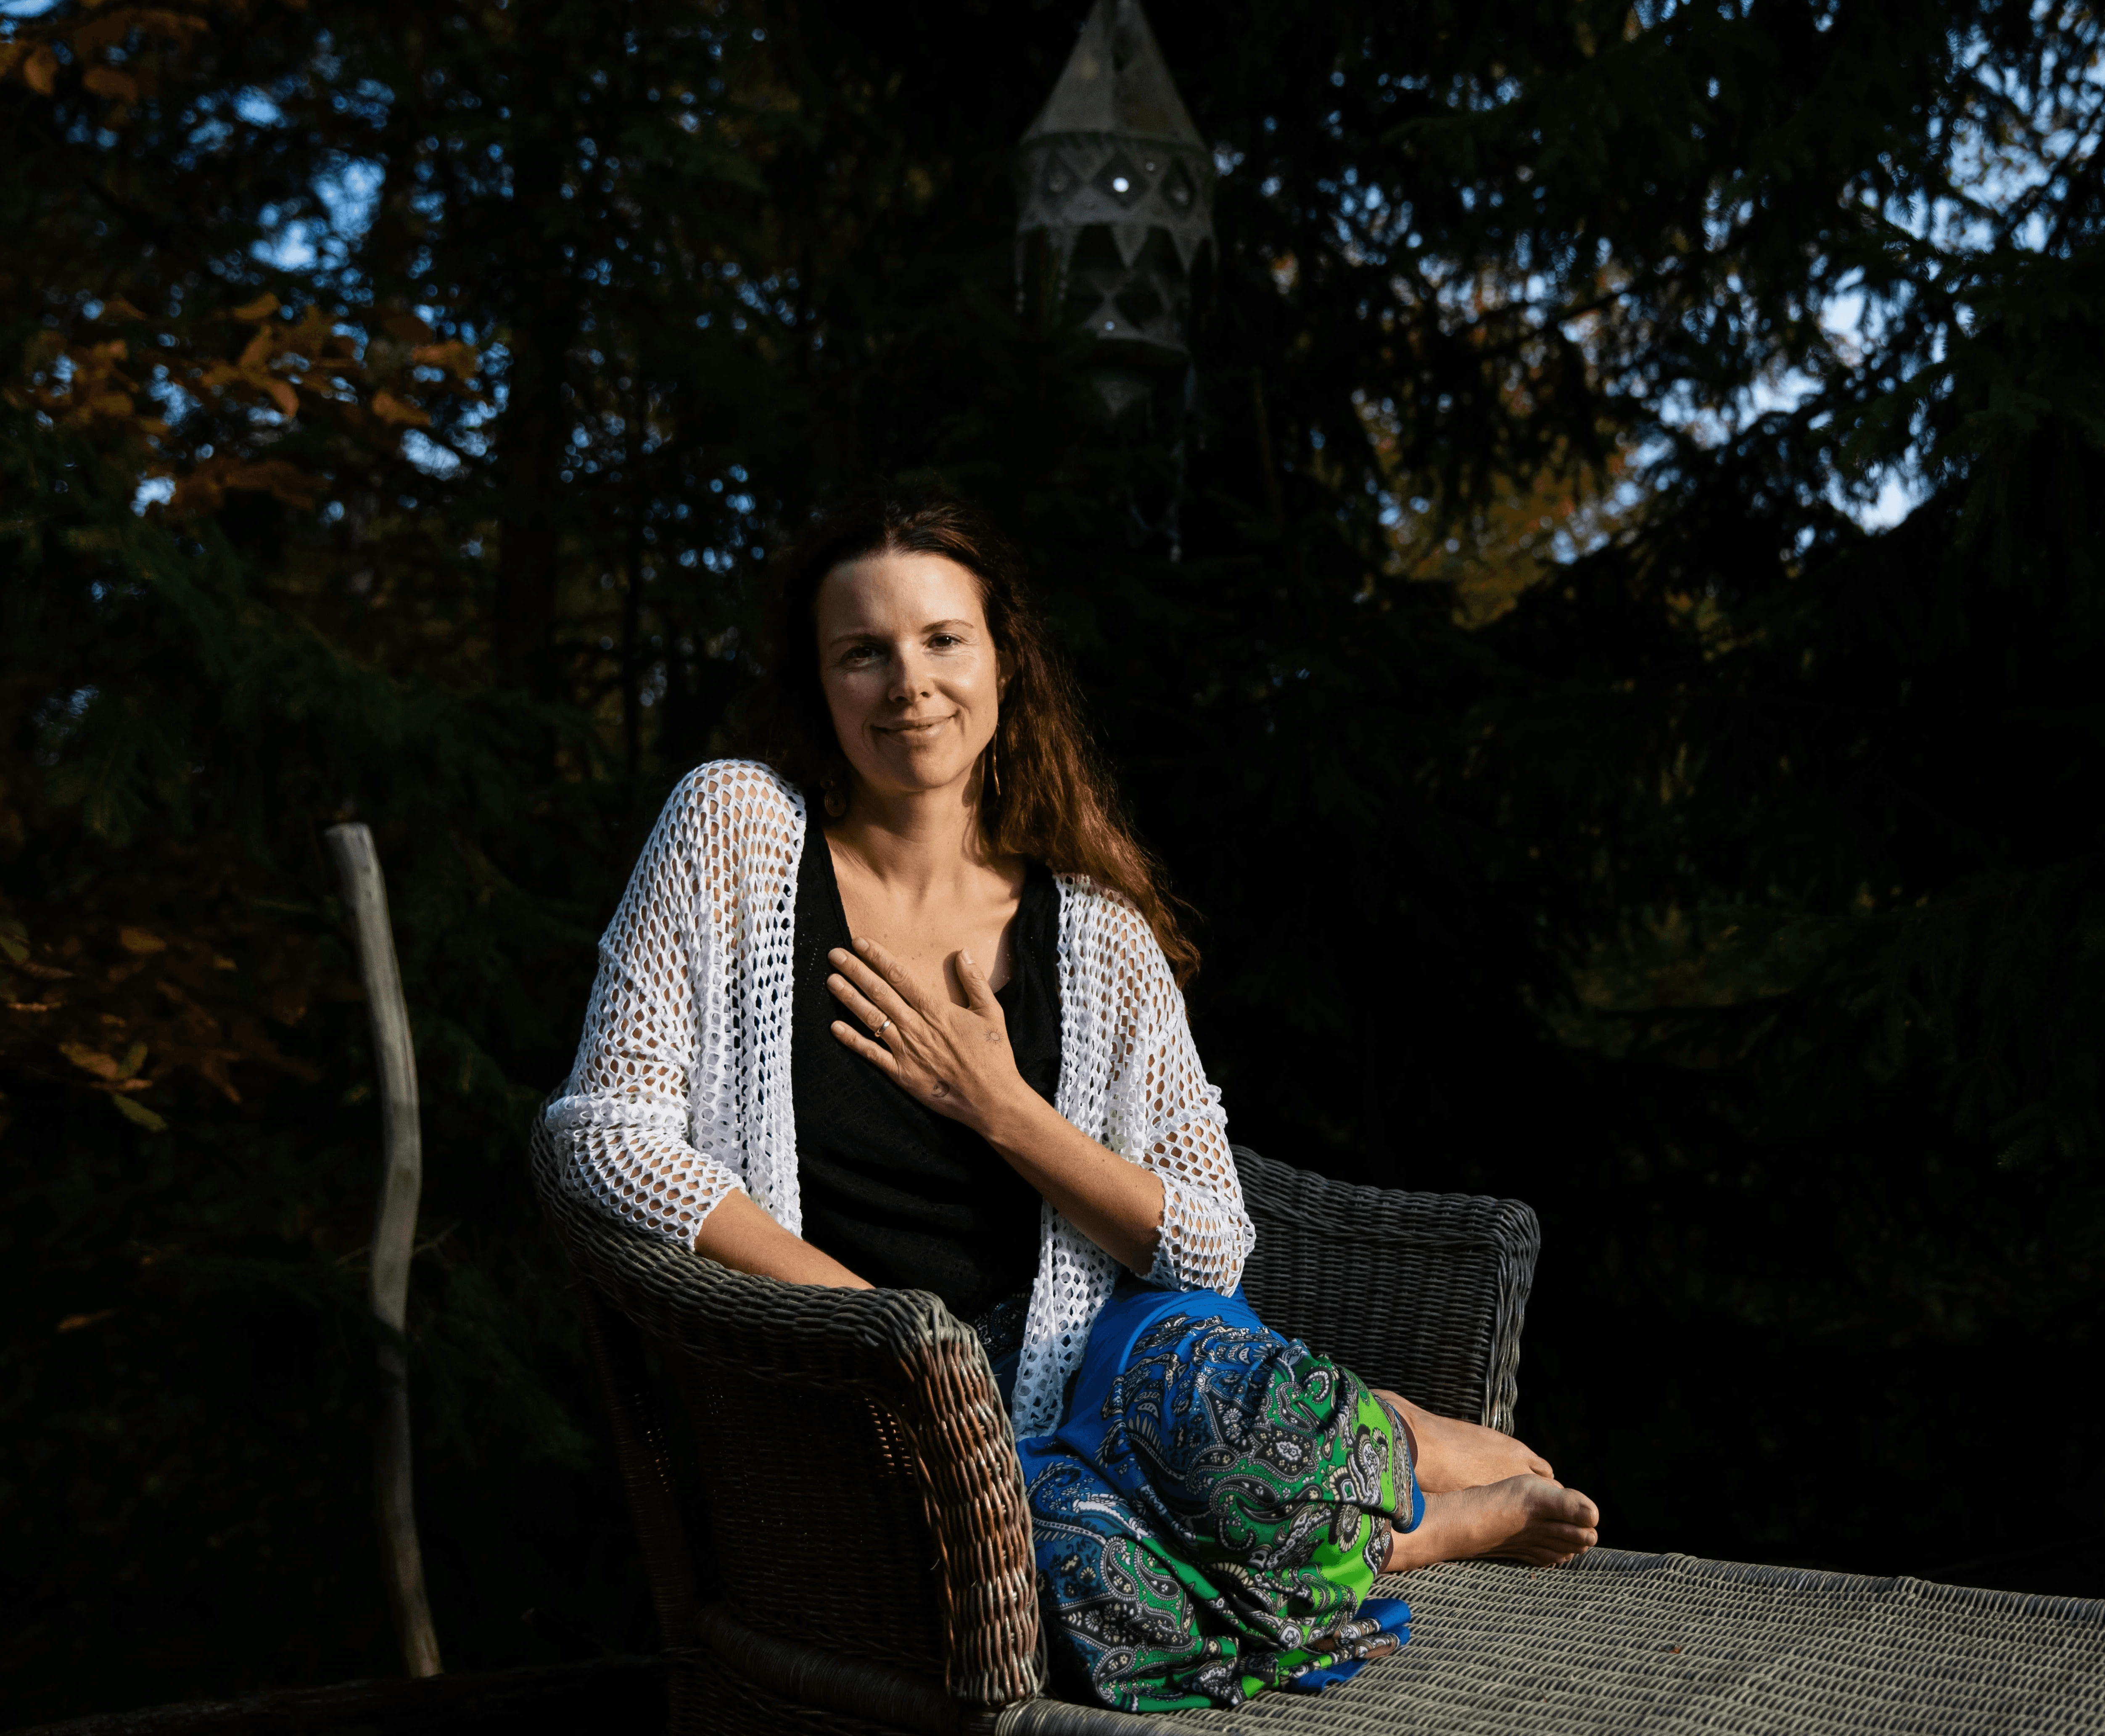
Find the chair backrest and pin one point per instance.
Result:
(1420, 1292)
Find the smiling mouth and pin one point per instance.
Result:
(917, 728)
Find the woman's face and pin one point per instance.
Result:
(910, 671)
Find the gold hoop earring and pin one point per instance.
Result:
(836, 804)
(993, 765)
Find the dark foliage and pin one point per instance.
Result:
(1580, 802)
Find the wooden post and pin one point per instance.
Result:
(394, 1237)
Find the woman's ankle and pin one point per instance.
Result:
(1426, 1542)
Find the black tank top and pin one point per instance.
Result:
(900, 1195)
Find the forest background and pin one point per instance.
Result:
(1625, 710)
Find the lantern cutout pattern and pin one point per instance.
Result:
(1115, 179)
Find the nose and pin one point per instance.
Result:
(910, 679)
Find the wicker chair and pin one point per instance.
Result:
(846, 1452)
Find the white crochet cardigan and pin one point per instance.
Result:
(681, 1093)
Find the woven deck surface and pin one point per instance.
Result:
(1496, 1647)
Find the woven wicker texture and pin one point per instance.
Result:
(1420, 1292)
(918, 1616)
(1501, 1648)
(1660, 1643)
(778, 1411)
(847, 1449)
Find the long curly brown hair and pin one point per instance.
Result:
(1055, 803)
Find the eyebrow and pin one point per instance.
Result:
(867, 633)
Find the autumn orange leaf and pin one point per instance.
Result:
(205, 488)
(388, 408)
(140, 940)
(174, 23)
(90, 1060)
(262, 308)
(74, 1322)
(212, 1067)
(114, 26)
(458, 358)
(106, 81)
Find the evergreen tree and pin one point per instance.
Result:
(399, 406)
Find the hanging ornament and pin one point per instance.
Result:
(1114, 196)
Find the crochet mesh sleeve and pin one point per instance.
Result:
(1169, 1116)
(1130, 1075)
(652, 1108)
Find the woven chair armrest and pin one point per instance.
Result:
(902, 1350)
(839, 1339)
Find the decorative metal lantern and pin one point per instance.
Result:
(1115, 195)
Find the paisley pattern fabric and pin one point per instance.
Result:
(1211, 1513)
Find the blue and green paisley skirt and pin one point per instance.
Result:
(1212, 1511)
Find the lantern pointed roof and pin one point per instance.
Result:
(1116, 82)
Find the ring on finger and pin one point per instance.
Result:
(882, 1029)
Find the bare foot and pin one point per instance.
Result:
(1528, 1518)
(1456, 1455)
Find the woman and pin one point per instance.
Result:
(939, 1042)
